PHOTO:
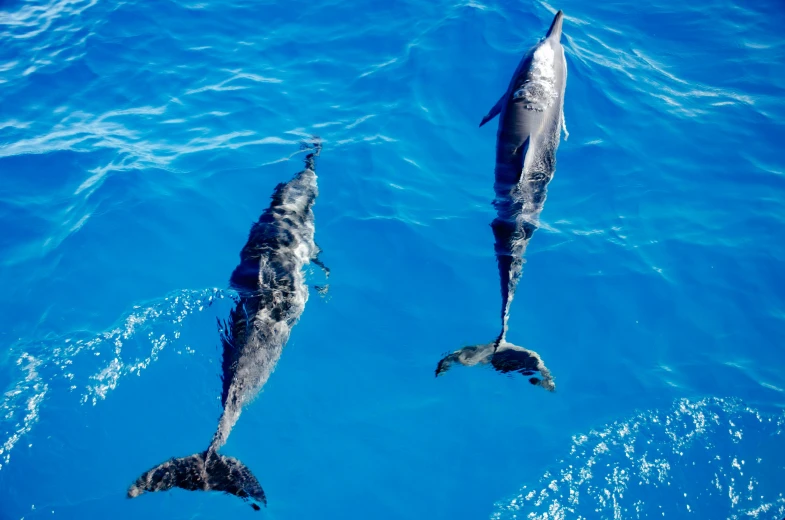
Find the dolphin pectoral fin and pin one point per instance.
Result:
(316, 260)
(512, 358)
(321, 289)
(520, 155)
(321, 265)
(495, 111)
(526, 154)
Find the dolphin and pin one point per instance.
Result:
(531, 117)
(271, 296)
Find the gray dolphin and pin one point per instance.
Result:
(530, 121)
(272, 293)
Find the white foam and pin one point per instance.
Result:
(173, 310)
(94, 365)
(701, 456)
(25, 398)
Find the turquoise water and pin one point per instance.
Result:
(140, 140)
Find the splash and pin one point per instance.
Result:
(711, 458)
(94, 365)
(27, 395)
(173, 309)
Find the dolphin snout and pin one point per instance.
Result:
(555, 30)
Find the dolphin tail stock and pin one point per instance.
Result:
(207, 471)
(505, 358)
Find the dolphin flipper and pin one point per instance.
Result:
(321, 289)
(495, 111)
(318, 261)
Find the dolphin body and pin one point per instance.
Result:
(531, 118)
(272, 293)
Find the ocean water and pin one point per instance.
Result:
(139, 141)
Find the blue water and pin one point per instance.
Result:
(139, 141)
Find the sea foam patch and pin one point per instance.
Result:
(92, 365)
(711, 458)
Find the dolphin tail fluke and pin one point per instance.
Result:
(206, 471)
(503, 357)
(512, 358)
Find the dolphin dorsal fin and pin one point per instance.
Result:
(497, 108)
